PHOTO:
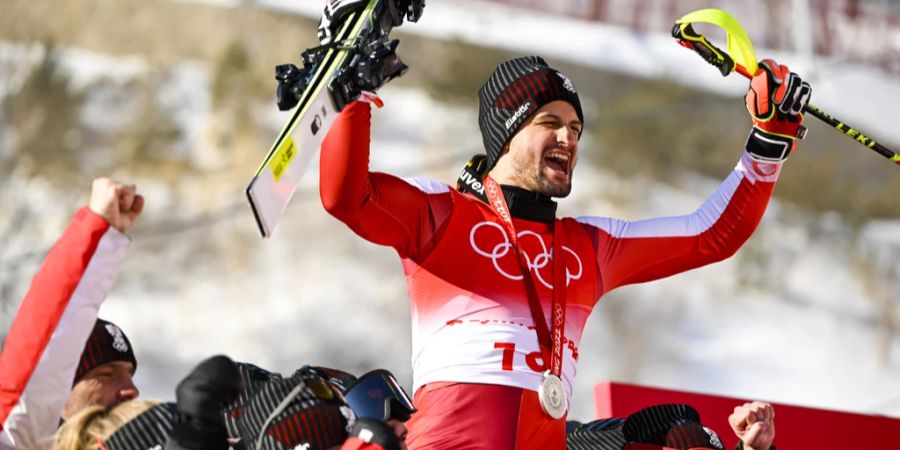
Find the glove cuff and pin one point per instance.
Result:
(768, 147)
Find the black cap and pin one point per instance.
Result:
(675, 426)
(515, 91)
(278, 413)
(106, 343)
(603, 434)
(148, 431)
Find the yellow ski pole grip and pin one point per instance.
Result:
(689, 38)
(744, 62)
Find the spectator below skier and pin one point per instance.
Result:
(60, 363)
(500, 287)
(318, 408)
(222, 405)
(58, 356)
(674, 427)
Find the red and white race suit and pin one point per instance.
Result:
(476, 360)
(48, 334)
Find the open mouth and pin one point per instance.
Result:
(558, 161)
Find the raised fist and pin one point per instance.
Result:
(754, 425)
(118, 203)
(775, 101)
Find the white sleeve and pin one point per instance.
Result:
(34, 418)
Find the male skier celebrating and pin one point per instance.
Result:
(500, 288)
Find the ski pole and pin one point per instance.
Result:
(687, 37)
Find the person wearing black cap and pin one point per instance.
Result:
(658, 427)
(105, 370)
(674, 427)
(142, 424)
(318, 408)
(500, 287)
(58, 357)
(194, 422)
(221, 404)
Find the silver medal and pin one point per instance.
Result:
(552, 396)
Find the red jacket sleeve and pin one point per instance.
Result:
(638, 251)
(379, 207)
(53, 322)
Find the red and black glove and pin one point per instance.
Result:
(775, 101)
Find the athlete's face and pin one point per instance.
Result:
(541, 156)
(105, 385)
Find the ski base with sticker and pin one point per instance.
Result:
(355, 55)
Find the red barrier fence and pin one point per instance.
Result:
(796, 428)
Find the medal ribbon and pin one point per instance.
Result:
(550, 341)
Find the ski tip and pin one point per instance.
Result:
(256, 216)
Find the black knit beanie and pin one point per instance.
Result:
(515, 91)
(106, 343)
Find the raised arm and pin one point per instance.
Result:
(54, 320)
(632, 252)
(754, 424)
(379, 207)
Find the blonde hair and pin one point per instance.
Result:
(93, 424)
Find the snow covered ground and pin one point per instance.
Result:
(794, 318)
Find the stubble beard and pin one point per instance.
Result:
(533, 178)
(553, 190)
